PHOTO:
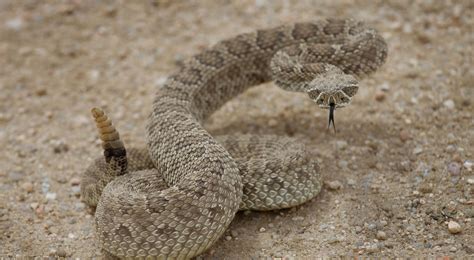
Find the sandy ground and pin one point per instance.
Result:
(398, 170)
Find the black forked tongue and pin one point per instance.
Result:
(332, 107)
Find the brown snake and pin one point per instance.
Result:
(177, 197)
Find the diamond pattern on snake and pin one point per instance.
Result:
(176, 197)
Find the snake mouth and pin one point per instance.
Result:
(332, 108)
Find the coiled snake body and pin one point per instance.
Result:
(176, 198)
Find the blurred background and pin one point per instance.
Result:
(397, 172)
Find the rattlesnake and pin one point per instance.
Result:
(176, 198)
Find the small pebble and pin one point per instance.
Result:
(351, 182)
(298, 218)
(16, 176)
(61, 252)
(60, 147)
(234, 233)
(341, 145)
(454, 168)
(411, 228)
(449, 104)
(343, 164)
(41, 92)
(334, 185)
(385, 87)
(262, 229)
(454, 227)
(468, 165)
(228, 238)
(371, 248)
(417, 150)
(28, 187)
(15, 24)
(453, 249)
(425, 188)
(76, 190)
(404, 135)
(79, 206)
(159, 82)
(380, 96)
(34, 205)
(371, 226)
(381, 235)
(470, 181)
(75, 181)
(51, 196)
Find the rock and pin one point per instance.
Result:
(379, 96)
(385, 87)
(41, 92)
(351, 182)
(75, 181)
(381, 235)
(79, 206)
(425, 188)
(28, 187)
(15, 24)
(228, 238)
(404, 135)
(76, 190)
(341, 145)
(468, 165)
(470, 181)
(334, 185)
(234, 233)
(60, 146)
(417, 150)
(34, 205)
(371, 248)
(159, 82)
(411, 228)
(262, 229)
(453, 249)
(371, 226)
(94, 75)
(454, 168)
(61, 252)
(342, 164)
(16, 176)
(449, 104)
(298, 218)
(51, 196)
(454, 227)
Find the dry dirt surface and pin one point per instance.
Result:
(399, 172)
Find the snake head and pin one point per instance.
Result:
(333, 92)
(338, 92)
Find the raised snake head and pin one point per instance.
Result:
(334, 90)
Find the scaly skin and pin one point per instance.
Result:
(176, 198)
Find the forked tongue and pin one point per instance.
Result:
(332, 107)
